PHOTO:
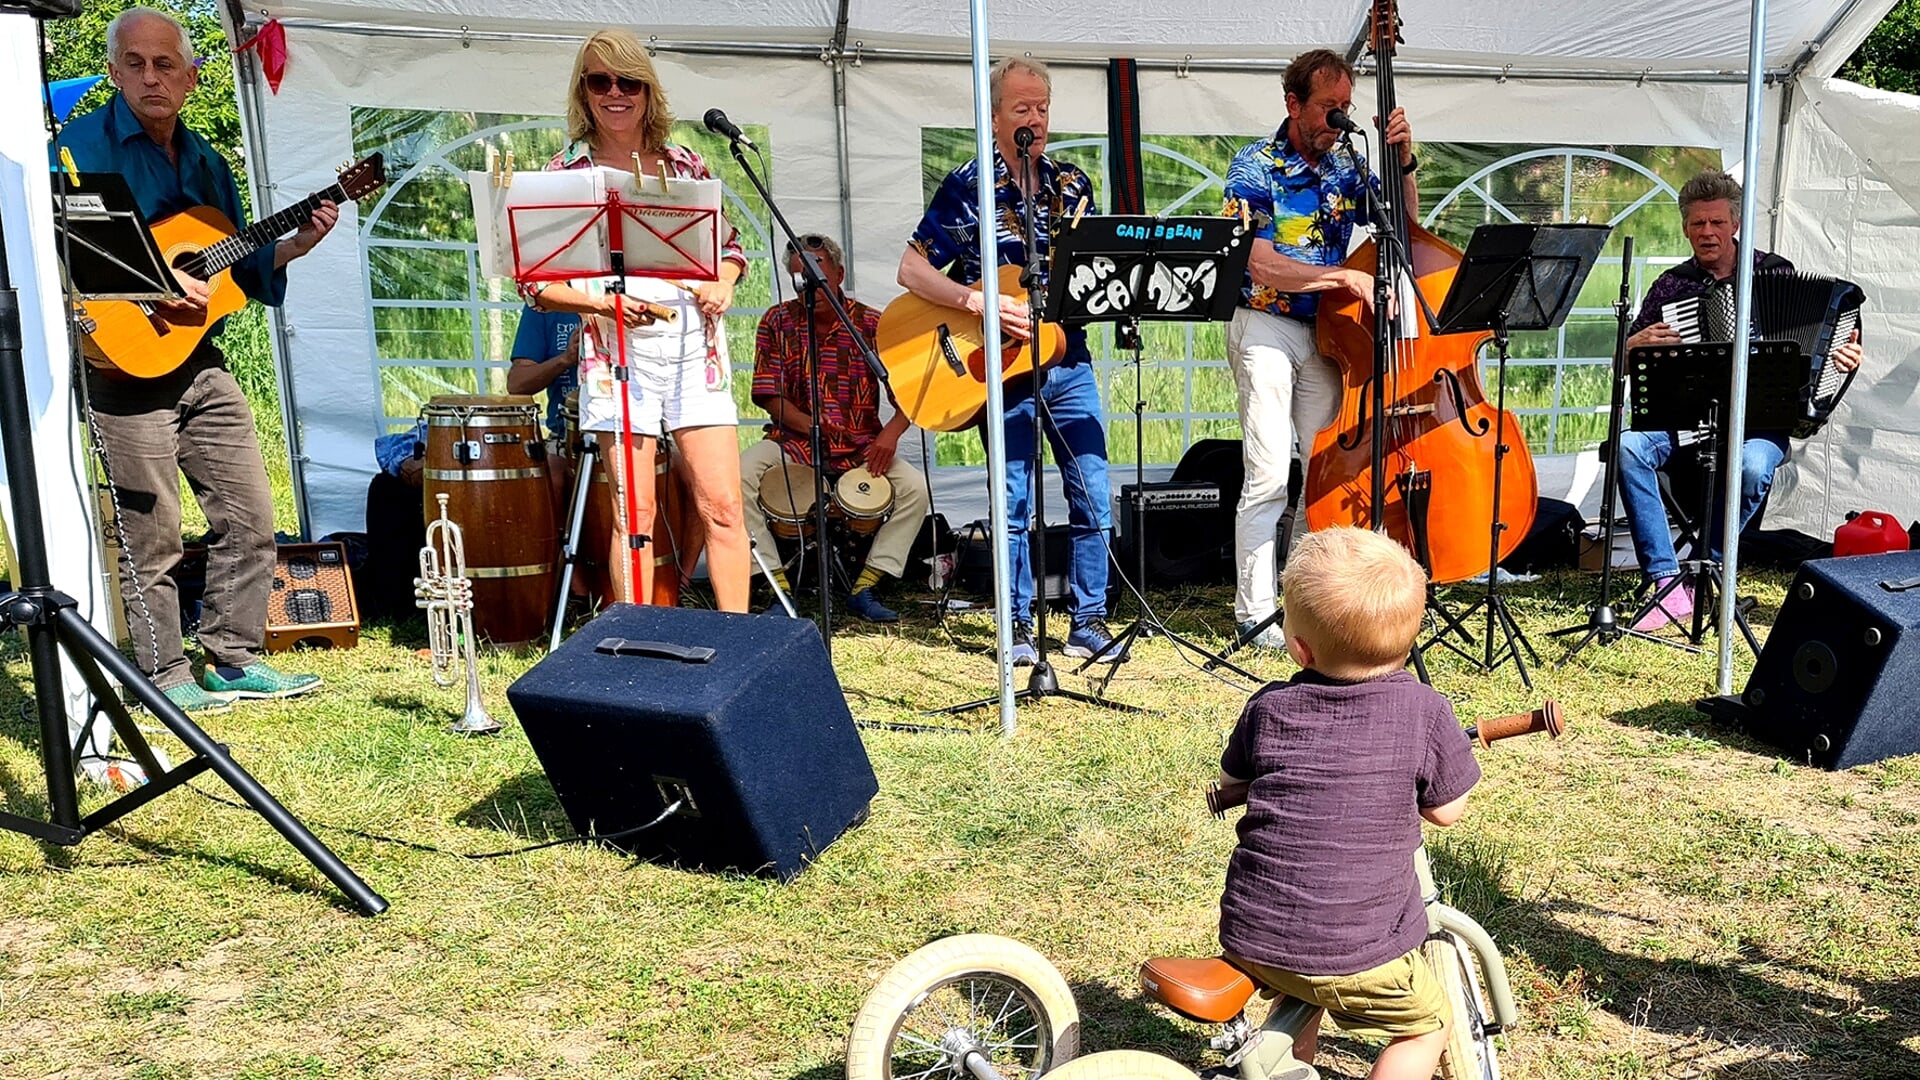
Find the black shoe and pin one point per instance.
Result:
(1024, 654)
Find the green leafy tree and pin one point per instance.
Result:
(1890, 57)
(78, 47)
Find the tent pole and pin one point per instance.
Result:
(996, 395)
(246, 86)
(1736, 419)
(1780, 153)
(837, 56)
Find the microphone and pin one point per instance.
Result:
(1336, 119)
(718, 123)
(1023, 136)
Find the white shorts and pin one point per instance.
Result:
(674, 382)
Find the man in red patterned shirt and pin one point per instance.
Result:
(850, 424)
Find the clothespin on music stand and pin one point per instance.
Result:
(663, 176)
(66, 164)
(638, 172)
(1078, 211)
(1246, 221)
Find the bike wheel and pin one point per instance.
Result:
(973, 992)
(1470, 1054)
(1122, 1065)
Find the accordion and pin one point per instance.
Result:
(1818, 314)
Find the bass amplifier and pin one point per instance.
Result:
(737, 718)
(1187, 532)
(311, 602)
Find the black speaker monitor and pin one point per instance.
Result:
(1837, 682)
(740, 716)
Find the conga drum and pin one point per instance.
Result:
(865, 500)
(486, 455)
(786, 498)
(672, 515)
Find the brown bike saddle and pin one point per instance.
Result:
(1209, 990)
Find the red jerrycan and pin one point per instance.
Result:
(1868, 532)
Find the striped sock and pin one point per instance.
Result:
(780, 579)
(869, 577)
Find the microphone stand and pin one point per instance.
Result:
(1042, 682)
(811, 287)
(815, 286)
(1603, 623)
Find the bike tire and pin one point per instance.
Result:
(1122, 1065)
(1470, 1053)
(935, 981)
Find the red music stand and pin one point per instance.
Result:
(613, 232)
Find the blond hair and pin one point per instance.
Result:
(623, 54)
(1357, 599)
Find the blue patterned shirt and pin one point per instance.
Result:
(1307, 211)
(949, 232)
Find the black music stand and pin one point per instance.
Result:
(105, 242)
(1512, 277)
(1680, 388)
(1125, 269)
(54, 625)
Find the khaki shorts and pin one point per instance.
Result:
(1398, 999)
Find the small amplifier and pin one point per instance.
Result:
(312, 598)
(1173, 495)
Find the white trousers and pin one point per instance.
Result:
(1287, 390)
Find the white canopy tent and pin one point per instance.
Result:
(846, 93)
(847, 90)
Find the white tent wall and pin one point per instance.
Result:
(412, 56)
(1850, 207)
(26, 202)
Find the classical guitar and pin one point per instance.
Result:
(936, 359)
(131, 336)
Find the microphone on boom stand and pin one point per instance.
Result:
(718, 123)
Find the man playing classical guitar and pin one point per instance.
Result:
(1305, 192)
(194, 419)
(948, 236)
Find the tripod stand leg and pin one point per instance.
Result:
(82, 640)
(582, 487)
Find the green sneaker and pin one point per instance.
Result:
(257, 680)
(192, 698)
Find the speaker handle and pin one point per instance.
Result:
(663, 650)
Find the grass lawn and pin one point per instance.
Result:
(1673, 900)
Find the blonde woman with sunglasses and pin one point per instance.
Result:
(681, 380)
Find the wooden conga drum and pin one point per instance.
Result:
(486, 455)
(673, 517)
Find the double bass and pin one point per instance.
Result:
(1432, 465)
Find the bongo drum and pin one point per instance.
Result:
(864, 499)
(786, 497)
(486, 455)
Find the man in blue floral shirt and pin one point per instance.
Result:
(1305, 193)
(949, 237)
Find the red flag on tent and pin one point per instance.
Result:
(271, 43)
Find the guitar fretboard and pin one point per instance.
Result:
(218, 257)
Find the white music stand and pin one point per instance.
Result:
(605, 223)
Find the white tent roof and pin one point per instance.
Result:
(1628, 37)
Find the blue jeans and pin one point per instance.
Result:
(1079, 441)
(1644, 453)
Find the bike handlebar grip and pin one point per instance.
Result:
(1222, 799)
(1546, 718)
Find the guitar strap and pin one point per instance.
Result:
(1123, 137)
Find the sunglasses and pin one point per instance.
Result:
(600, 82)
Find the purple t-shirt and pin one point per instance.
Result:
(1322, 881)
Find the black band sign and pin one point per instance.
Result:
(1107, 269)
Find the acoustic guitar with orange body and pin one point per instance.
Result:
(131, 336)
(936, 357)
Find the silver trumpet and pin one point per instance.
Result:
(445, 591)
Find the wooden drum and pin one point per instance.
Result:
(864, 499)
(673, 527)
(486, 454)
(787, 498)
